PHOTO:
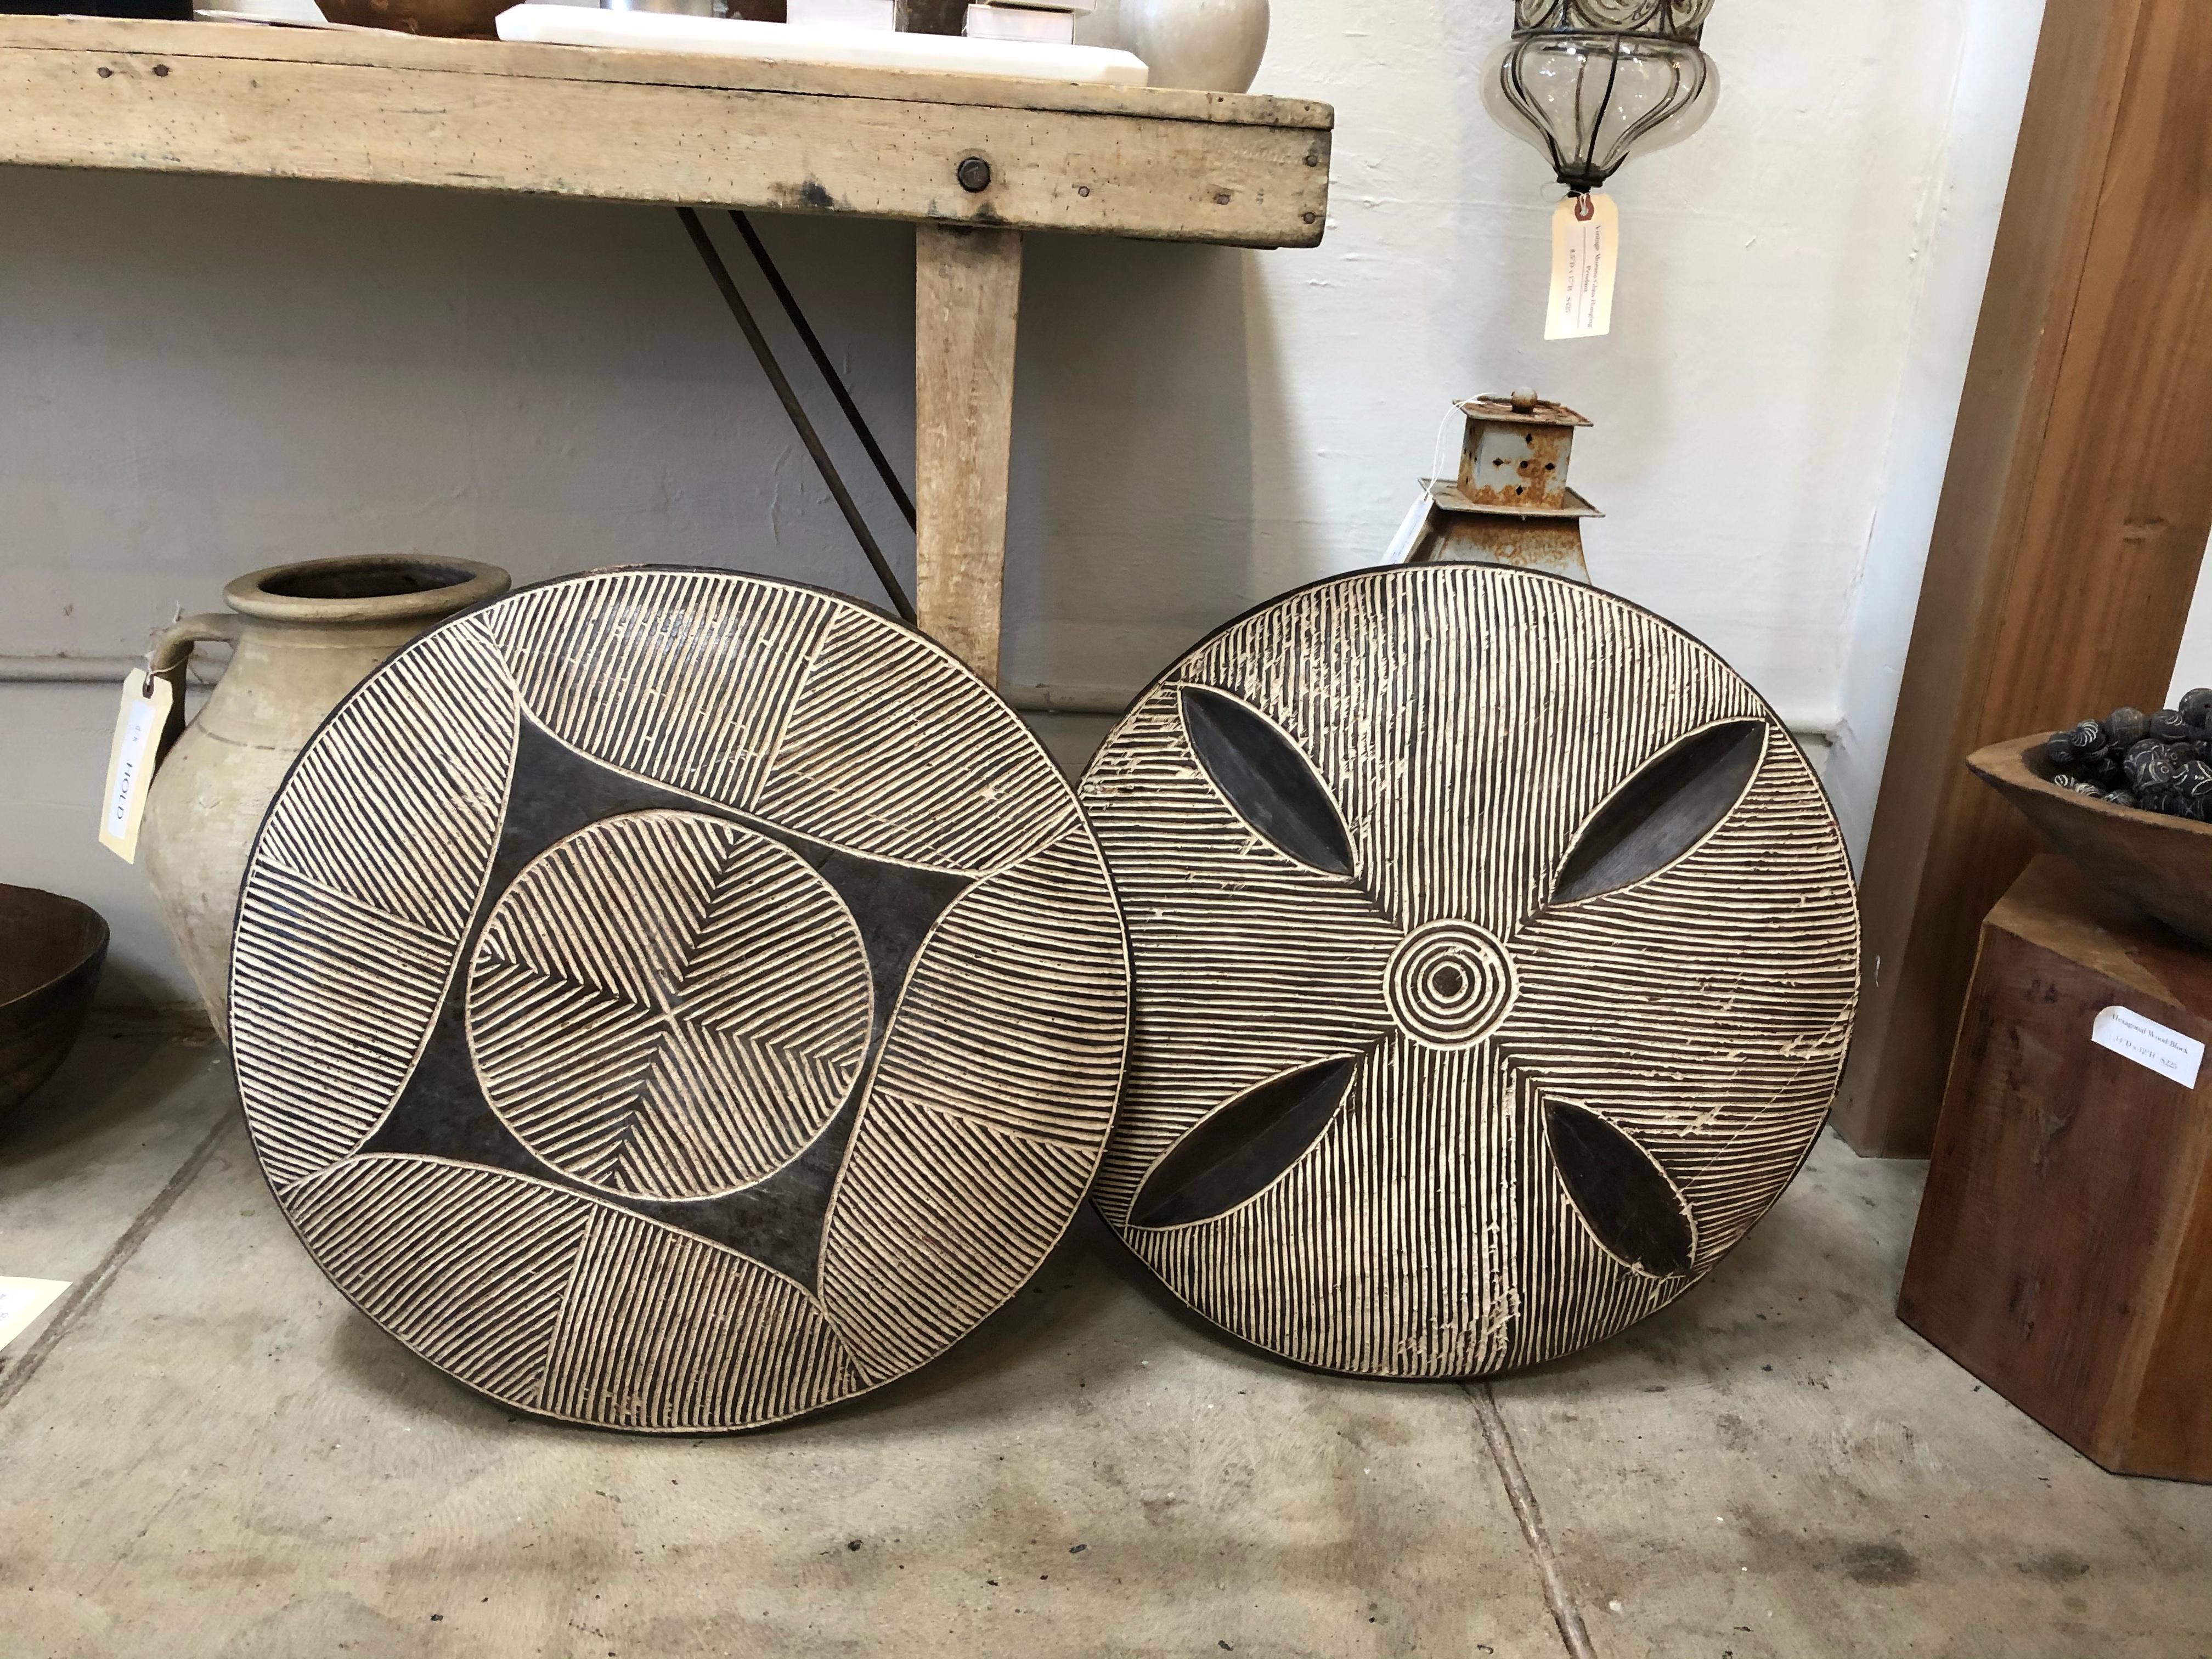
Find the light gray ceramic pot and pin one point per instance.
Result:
(1212, 45)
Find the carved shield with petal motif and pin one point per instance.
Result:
(1494, 956)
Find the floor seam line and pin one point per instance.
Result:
(86, 1291)
(1557, 1595)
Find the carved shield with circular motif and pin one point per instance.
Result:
(1494, 954)
(676, 1000)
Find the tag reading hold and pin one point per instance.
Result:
(2147, 1043)
(23, 1300)
(139, 724)
(1585, 256)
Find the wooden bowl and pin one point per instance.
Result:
(52, 950)
(2161, 866)
(467, 19)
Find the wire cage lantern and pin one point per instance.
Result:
(1589, 83)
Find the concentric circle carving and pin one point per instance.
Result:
(668, 1005)
(1448, 984)
(676, 1000)
(1495, 954)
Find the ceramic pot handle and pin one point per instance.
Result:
(173, 646)
(172, 651)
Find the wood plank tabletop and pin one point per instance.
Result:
(381, 107)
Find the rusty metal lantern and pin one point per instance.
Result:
(1510, 503)
(1589, 83)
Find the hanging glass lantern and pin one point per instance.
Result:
(1590, 82)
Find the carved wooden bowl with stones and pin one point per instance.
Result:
(1494, 956)
(2161, 866)
(676, 1000)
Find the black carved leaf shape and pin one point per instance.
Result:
(1243, 1147)
(1663, 811)
(1630, 1203)
(1265, 780)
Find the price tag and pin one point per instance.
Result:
(139, 727)
(1585, 256)
(1411, 529)
(21, 1301)
(2147, 1043)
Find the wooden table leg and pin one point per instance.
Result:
(968, 289)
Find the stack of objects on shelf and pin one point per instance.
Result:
(1050, 23)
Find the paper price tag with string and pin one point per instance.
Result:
(1585, 258)
(1413, 542)
(141, 724)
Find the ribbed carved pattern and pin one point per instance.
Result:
(1473, 726)
(990, 1108)
(685, 677)
(360, 892)
(675, 1001)
(662, 1331)
(971, 791)
(667, 1006)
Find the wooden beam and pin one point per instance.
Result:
(967, 302)
(379, 108)
(2073, 516)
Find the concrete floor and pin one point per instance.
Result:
(207, 1453)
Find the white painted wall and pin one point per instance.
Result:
(200, 376)
(2193, 667)
(1951, 259)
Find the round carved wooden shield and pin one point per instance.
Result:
(1494, 956)
(676, 1000)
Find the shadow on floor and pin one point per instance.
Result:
(1798, 1292)
(123, 1066)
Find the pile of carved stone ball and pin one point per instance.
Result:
(2159, 763)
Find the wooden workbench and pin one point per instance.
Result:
(371, 107)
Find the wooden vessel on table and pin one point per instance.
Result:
(54, 950)
(2156, 864)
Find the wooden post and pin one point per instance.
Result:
(2073, 516)
(2064, 1249)
(967, 296)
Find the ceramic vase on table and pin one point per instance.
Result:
(302, 635)
(1212, 45)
